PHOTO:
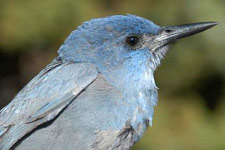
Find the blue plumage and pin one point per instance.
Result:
(99, 93)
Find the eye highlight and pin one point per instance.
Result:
(132, 40)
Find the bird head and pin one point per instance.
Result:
(125, 42)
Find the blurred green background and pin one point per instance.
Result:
(191, 110)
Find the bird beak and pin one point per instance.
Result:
(172, 33)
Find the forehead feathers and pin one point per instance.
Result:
(100, 30)
(121, 24)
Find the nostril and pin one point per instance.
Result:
(168, 30)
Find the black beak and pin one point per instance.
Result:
(171, 33)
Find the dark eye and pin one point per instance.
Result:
(132, 40)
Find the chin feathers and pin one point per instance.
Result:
(158, 55)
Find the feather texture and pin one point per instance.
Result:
(43, 98)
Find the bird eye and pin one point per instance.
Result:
(132, 40)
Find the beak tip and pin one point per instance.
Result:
(204, 26)
(210, 24)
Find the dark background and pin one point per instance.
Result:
(191, 79)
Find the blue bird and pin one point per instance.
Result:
(99, 93)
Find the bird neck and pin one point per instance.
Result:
(135, 79)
